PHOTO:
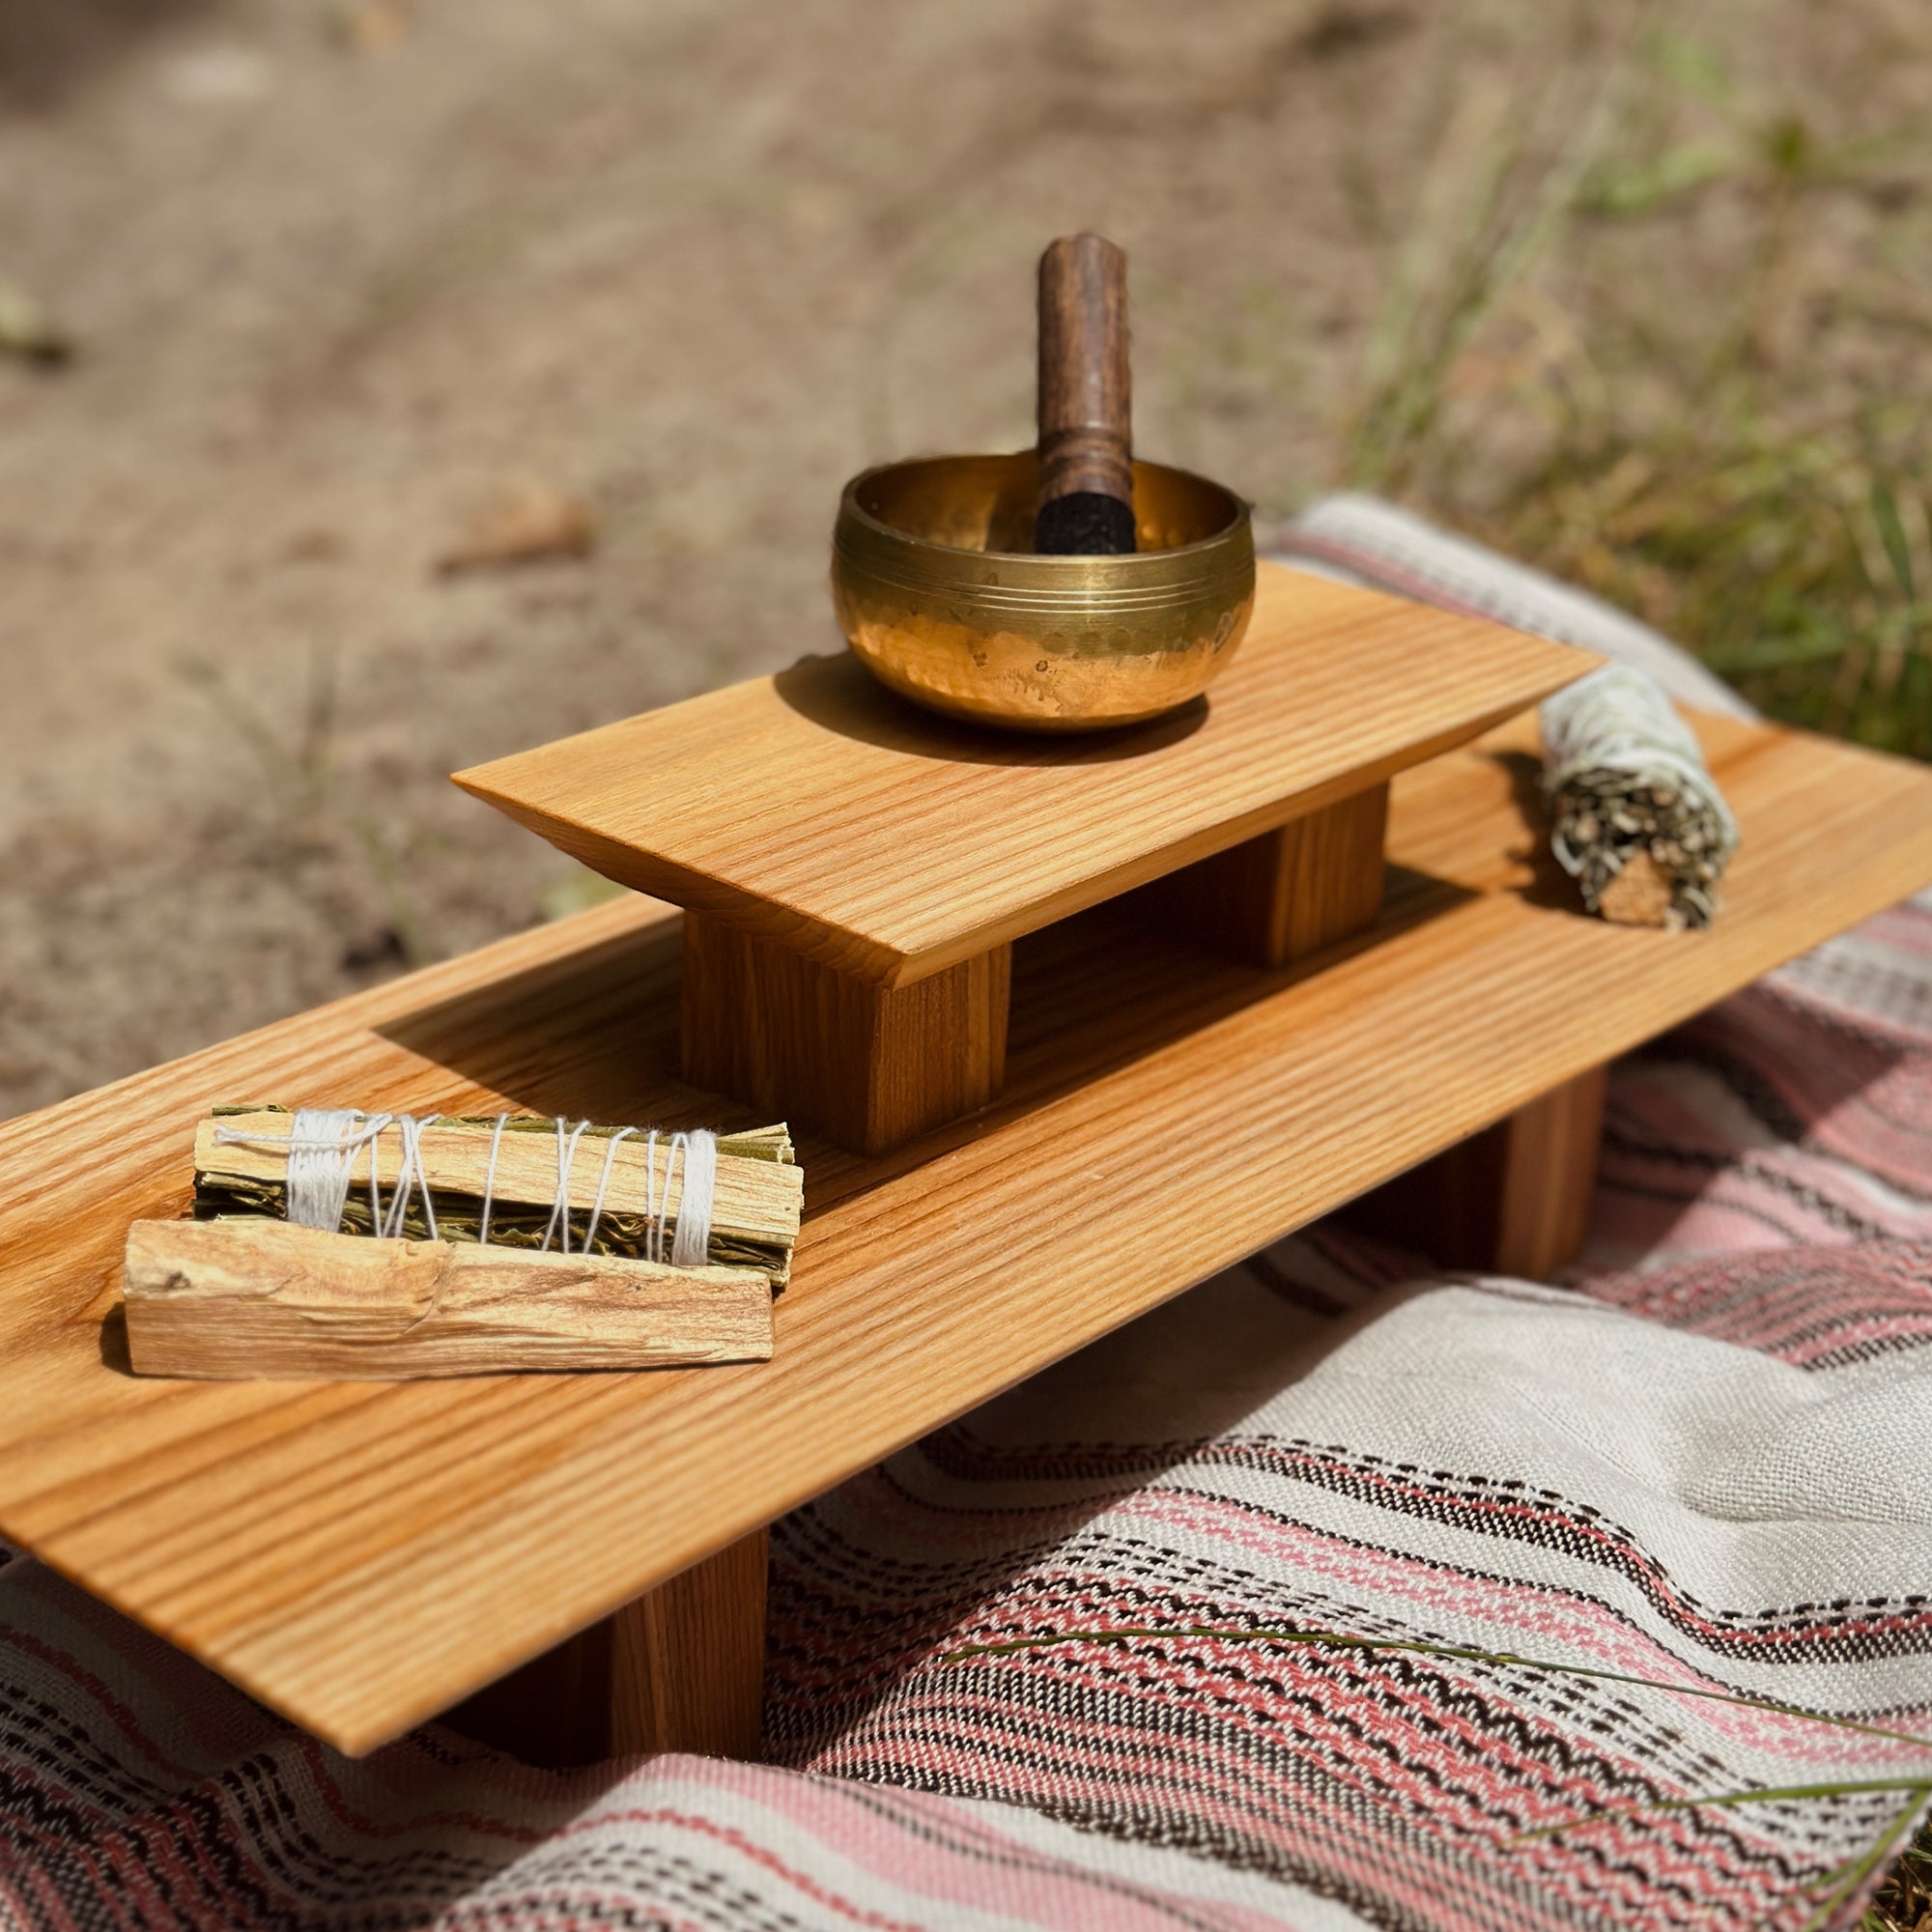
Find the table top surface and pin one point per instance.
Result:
(360, 1555)
(825, 813)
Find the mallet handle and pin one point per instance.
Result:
(1086, 405)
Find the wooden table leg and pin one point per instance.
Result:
(680, 1669)
(1285, 894)
(1515, 1198)
(688, 1662)
(869, 1066)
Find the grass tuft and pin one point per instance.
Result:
(1748, 471)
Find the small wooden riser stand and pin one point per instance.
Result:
(854, 871)
(680, 1669)
(1290, 893)
(1513, 1200)
(873, 1066)
(869, 1067)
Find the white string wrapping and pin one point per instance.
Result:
(411, 1168)
(566, 1159)
(490, 1183)
(689, 1240)
(322, 1144)
(693, 1243)
(603, 1184)
(1618, 719)
(654, 1212)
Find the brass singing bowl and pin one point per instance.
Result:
(940, 593)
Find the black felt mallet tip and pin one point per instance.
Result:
(1084, 523)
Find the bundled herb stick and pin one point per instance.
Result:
(1636, 819)
(388, 1246)
(517, 1181)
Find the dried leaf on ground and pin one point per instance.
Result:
(27, 329)
(370, 26)
(525, 524)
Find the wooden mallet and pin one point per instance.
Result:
(1086, 506)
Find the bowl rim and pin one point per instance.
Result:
(1243, 517)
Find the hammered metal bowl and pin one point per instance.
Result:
(938, 591)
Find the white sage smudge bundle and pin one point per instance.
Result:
(1636, 819)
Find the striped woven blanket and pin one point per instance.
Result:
(1337, 1593)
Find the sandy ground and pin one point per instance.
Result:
(339, 274)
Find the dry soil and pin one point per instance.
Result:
(337, 275)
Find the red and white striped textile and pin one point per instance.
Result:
(1703, 1460)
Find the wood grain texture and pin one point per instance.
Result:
(687, 1665)
(250, 1297)
(1515, 1198)
(261, 1526)
(789, 805)
(554, 1711)
(867, 1065)
(1550, 1177)
(1286, 895)
(681, 1668)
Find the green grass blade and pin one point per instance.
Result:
(1891, 534)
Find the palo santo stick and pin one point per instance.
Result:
(755, 1203)
(255, 1300)
(1640, 895)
